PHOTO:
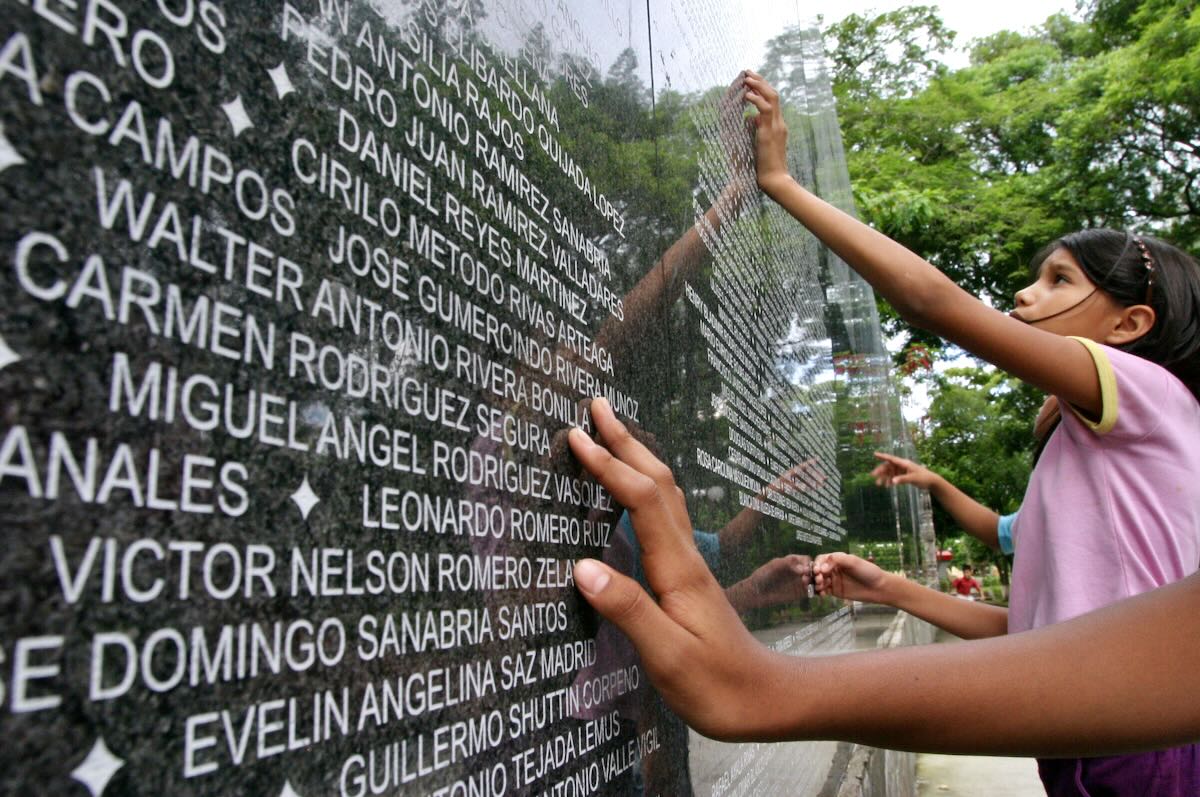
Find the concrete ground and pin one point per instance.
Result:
(975, 776)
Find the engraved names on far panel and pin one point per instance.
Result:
(452, 295)
(764, 305)
(768, 435)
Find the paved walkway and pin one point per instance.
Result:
(977, 776)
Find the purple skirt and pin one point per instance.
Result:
(1161, 773)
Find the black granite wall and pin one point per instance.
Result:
(297, 301)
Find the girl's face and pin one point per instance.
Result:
(1063, 300)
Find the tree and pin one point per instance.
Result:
(1135, 129)
(1081, 123)
(892, 54)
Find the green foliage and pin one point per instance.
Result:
(890, 54)
(885, 554)
(1139, 130)
(1077, 124)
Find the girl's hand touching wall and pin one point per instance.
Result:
(770, 140)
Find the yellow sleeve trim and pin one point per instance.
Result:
(1108, 389)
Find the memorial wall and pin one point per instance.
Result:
(298, 299)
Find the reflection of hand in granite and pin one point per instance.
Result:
(803, 477)
(736, 135)
(647, 302)
(783, 580)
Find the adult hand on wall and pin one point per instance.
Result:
(736, 136)
(703, 661)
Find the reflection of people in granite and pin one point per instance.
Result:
(780, 581)
(645, 306)
(648, 302)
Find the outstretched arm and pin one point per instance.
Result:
(921, 294)
(1033, 696)
(851, 577)
(975, 518)
(652, 297)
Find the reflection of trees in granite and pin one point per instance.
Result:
(646, 156)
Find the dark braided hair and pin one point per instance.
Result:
(1133, 269)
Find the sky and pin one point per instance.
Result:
(970, 19)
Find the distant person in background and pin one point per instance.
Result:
(965, 584)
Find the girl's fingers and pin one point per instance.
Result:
(659, 517)
(764, 88)
(634, 490)
(884, 474)
(756, 99)
(624, 603)
(625, 483)
(891, 458)
(624, 446)
(630, 451)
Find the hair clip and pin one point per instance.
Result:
(1148, 262)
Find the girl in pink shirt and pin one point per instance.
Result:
(1111, 327)
(1143, 304)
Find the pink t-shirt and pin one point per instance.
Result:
(1113, 507)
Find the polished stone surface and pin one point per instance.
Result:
(298, 301)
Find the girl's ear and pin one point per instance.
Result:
(1131, 324)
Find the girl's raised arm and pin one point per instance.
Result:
(921, 294)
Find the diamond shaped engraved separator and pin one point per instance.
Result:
(305, 498)
(8, 153)
(238, 117)
(7, 355)
(281, 80)
(97, 769)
